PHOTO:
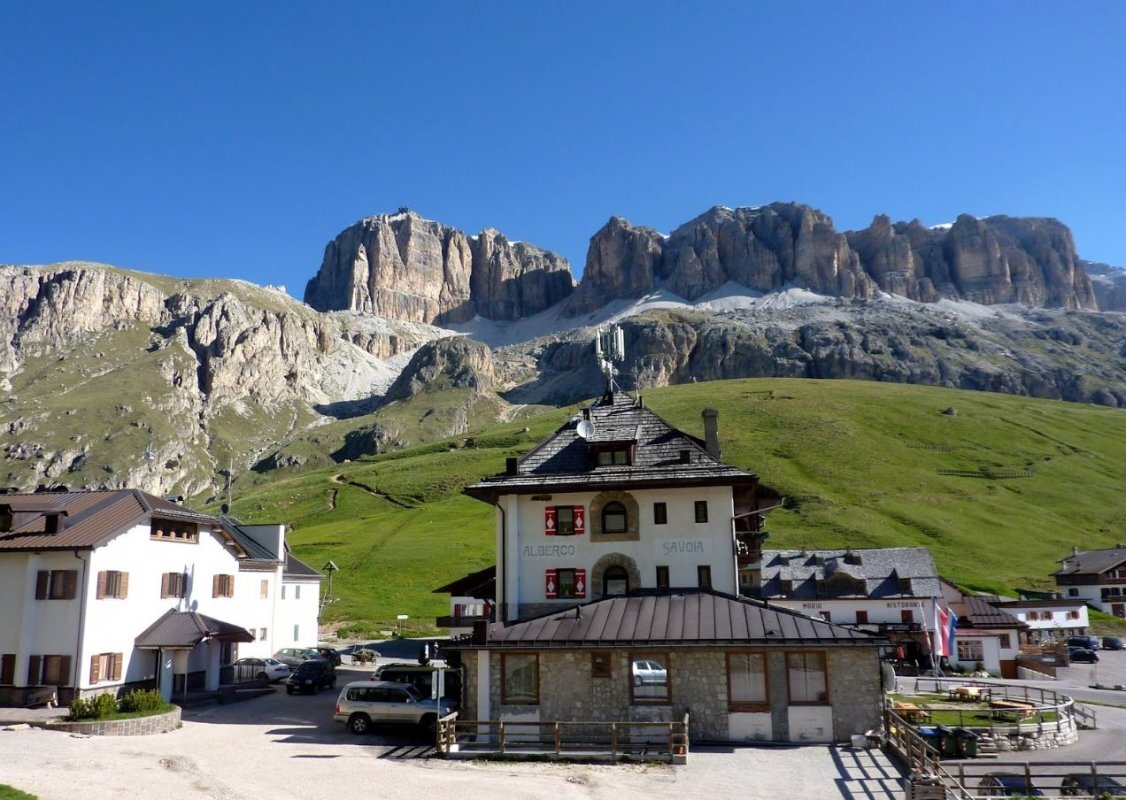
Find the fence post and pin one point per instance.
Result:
(558, 740)
(614, 739)
(500, 738)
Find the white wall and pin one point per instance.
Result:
(843, 612)
(299, 607)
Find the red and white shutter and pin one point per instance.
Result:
(580, 520)
(551, 584)
(580, 584)
(549, 521)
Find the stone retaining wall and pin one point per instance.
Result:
(1038, 737)
(137, 726)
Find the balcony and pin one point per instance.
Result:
(748, 547)
(461, 620)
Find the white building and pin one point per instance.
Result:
(1049, 620)
(1096, 577)
(109, 590)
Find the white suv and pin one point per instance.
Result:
(366, 703)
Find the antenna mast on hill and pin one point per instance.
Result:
(610, 348)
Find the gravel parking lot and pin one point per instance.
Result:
(281, 746)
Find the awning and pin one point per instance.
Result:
(186, 629)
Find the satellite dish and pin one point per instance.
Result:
(585, 429)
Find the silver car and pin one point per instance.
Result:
(366, 703)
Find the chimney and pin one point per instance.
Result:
(511, 465)
(711, 432)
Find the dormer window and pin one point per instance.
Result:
(616, 457)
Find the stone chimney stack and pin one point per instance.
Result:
(711, 432)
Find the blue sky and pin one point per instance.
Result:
(236, 139)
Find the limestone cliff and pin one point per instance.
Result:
(403, 267)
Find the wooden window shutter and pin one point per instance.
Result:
(580, 523)
(70, 584)
(164, 581)
(101, 584)
(8, 669)
(41, 581)
(95, 668)
(116, 670)
(580, 582)
(64, 669)
(123, 585)
(215, 585)
(551, 584)
(34, 667)
(549, 521)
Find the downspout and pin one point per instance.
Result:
(502, 561)
(81, 627)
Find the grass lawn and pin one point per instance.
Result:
(9, 793)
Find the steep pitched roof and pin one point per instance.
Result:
(688, 618)
(185, 629)
(296, 568)
(563, 460)
(980, 612)
(481, 585)
(825, 574)
(1092, 562)
(88, 519)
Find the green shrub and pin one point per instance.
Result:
(148, 700)
(99, 707)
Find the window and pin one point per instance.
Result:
(907, 616)
(1073, 615)
(1003, 639)
(861, 617)
(262, 635)
(600, 665)
(805, 676)
(662, 577)
(614, 518)
(297, 592)
(7, 669)
(615, 582)
(105, 667)
(701, 510)
(283, 592)
(649, 679)
(563, 521)
(56, 584)
(173, 584)
(264, 589)
(222, 585)
(174, 531)
(704, 576)
(520, 678)
(968, 649)
(1072, 592)
(48, 670)
(618, 458)
(746, 681)
(112, 583)
(825, 615)
(565, 584)
(660, 514)
(296, 629)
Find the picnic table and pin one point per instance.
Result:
(966, 693)
(1015, 708)
(911, 712)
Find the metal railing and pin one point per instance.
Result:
(616, 740)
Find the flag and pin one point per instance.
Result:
(941, 620)
(951, 627)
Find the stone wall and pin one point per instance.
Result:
(136, 726)
(698, 687)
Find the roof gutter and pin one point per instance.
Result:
(81, 624)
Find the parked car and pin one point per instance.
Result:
(1082, 784)
(363, 704)
(1088, 642)
(423, 678)
(329, 653)
(311, 676)
(293, 657)
(649, 672)
(1007, 784)
(264, 669)
(1113, 643)
(1082, 654)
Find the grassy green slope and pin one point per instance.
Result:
(862, 464)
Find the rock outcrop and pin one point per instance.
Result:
(455, 362)
(1109, 285)
(403, 267)
(622, 261)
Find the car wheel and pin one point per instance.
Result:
(359, 723)
(289, 690)
(636, 680)
(262, 676)
(333, 684)
(430, 723)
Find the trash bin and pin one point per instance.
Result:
(966, 743)
(947, 742)
(930, 736)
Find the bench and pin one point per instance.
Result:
(970, 694)
(911, 712)
(1015, 708)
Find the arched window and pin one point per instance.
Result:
(614, 518)
(615, 582)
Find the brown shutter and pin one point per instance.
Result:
(70, 584)
(33, 668)
(183, 585)
(8, 669)
(116, 669)
(164, 579)
(41, 581)
(123, 585)
(95, 668)
(215, 585)
(101, 584)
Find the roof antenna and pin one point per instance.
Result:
(609, 348)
